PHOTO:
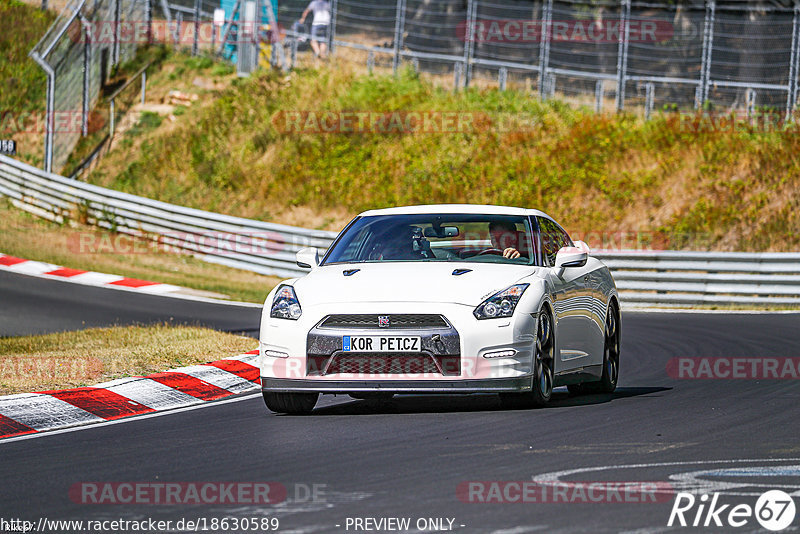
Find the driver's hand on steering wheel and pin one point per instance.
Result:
(511, 253)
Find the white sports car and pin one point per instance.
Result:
(442, 299)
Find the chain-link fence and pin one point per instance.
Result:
(735, 55)
(78, 53)
(609, 54)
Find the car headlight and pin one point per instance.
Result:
(285, 304)
(501, 304)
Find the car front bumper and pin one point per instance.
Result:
(487, 385)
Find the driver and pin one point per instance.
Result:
(504, 237)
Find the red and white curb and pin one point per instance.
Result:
(30, 413)
(49, 270)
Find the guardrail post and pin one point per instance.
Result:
(457, 68)
(293, 52)
(791, 97)
(544, 45)
(332, 32)
(598, 96)
(708, 46)
(370, 61)
(415, 64)
(502, 78)
(399, 24)
(196, 26)
(622, 53)
(469, 40)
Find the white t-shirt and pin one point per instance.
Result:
(322, 12)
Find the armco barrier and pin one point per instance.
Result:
(257, 246)
(643, 277)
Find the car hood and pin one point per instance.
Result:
(408, 282)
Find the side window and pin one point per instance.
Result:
(553, 238)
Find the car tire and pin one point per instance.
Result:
(291, 403)
(608, 381)
(542, 386)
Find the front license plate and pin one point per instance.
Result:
(381, 344)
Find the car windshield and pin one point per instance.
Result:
(436, 237)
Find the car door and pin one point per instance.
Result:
(572, 300)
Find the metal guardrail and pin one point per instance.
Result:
(643, 277)
(261, 247)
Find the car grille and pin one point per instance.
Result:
(366, 320)
(374, 363)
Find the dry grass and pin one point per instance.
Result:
(601, 174)
(26, 236)
(86, 357)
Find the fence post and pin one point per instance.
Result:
(457, 68)
(708, 46)
(544, 45)
(148, 19)
(196, 26)
(115, 52)
(44, 5)
(750, 98)
(791, 97)
(399, 24)
(49, 117)
(87, 71)
(502, 78)
(166, 10)
(598, 96)
(144, 85)
(179, 23)
(332, 32)
(277, 40)
(622, 55)
(112, 121)
(370, 61)
(469, 40)
(649, 91)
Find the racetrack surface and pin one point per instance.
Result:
(408, 456)
(32, 305)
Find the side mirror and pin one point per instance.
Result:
(307, 258)
(570, 257)
(583, 246)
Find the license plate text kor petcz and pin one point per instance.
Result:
(381, 344)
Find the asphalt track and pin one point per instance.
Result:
(407, 457)
(31, 305)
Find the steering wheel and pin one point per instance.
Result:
(495, 251)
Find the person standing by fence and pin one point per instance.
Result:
(320, 25)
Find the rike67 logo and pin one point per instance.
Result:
(774, 510)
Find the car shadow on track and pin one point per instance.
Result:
(432, 403)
